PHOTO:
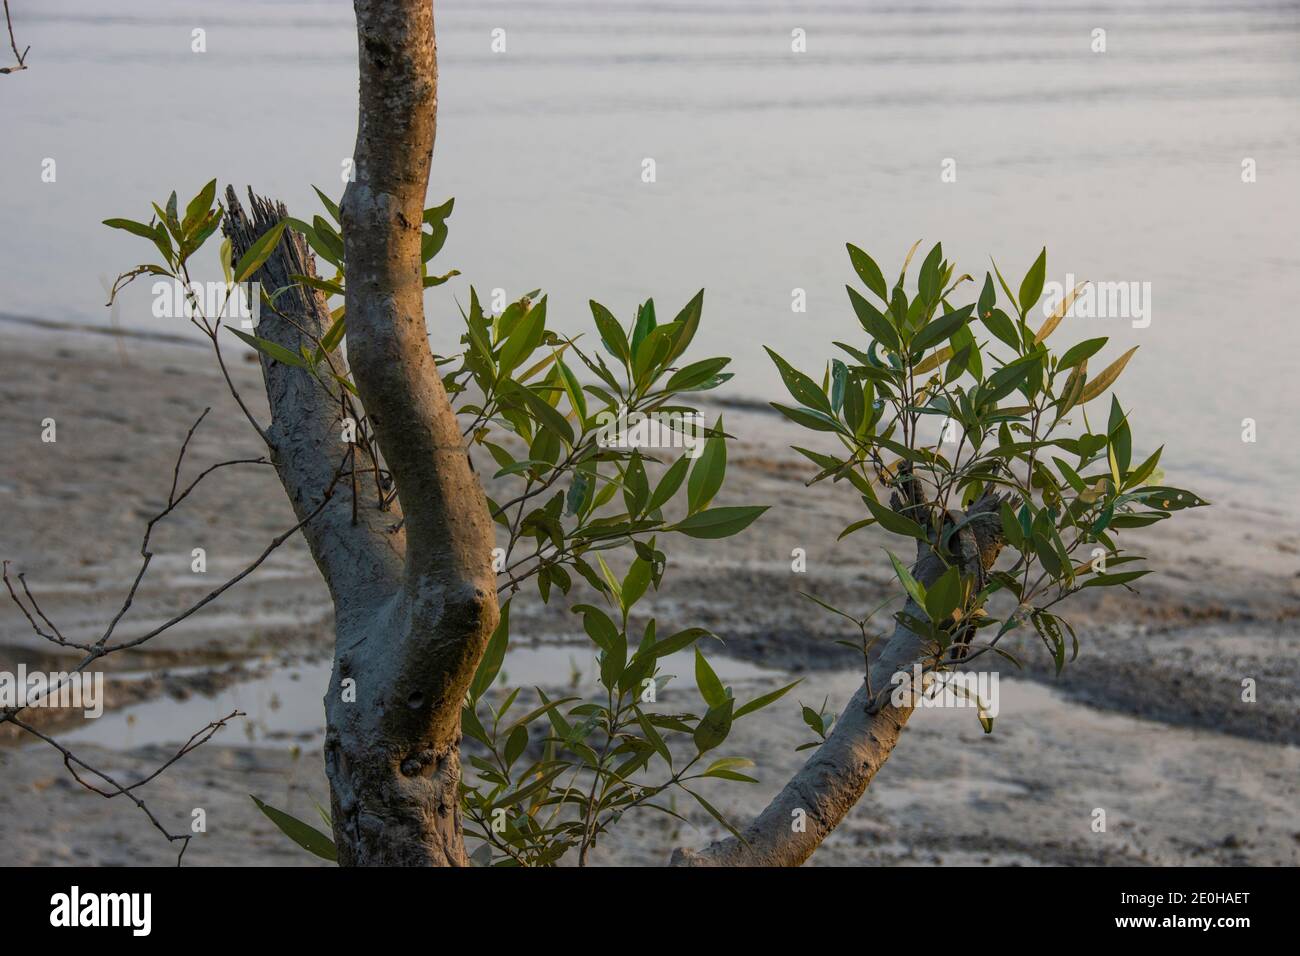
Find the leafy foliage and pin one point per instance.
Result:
(1067, 487)
(558, 776)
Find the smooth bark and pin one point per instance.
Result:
(828, 786)
(414, 596)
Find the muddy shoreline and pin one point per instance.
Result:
(1164, 666)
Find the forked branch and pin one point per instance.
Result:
(20, 57)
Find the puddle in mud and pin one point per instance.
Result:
(285, 707)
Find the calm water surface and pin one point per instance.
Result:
(1126, 164)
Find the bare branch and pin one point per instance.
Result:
(20, 57)
(72, 762)
(101, 648)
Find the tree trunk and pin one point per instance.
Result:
(828, 786)
(413, 587)
(415, 596)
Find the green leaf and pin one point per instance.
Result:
(435, 218)
(758, 703)
(1079, 351)
(1011, 527)
(695, 374)
(493, 656)
(892, 521)
(523, 793)
(928, 282)
(654, 737)
(714, 726)
(1121, 440)
(1168, 499)
(332, 337)
(873, 320)
(668, 485)
(197, 210)
(431, 281)
(602, 631)
(636, 487)
(543, 412)
(613, 660)
(611, 333)
(726, 765)
(516, 743)
(330, 206)
(258, 252)
(1000, 324)
(277, 352)
(941, 329)
(799, 385)
(1003, 283)
(711, 688)
(645, 324)
(173, 223)
(817, 421)
(303, 834)
(713, 812)
(1143, 471)
(1031, 287)
(577, 398)
(1107, 580)
(988, 297)
(868, 271)
(719, 522)
(913, 587)
(676, 642)
(708, 471)
(1008, 378)
(943, 596)
(687, 322)
(523, 339)
(131, 226)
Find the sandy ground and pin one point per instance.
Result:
(1148, 724)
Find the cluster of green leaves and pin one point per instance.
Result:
(178, 238)
(573, 497)
(575, 492)
(543, 791)
(1067, 488)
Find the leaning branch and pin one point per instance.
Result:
(840, 770)
(357, 543)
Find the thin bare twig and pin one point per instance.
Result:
(75, 765)
(72, 761)
(20, 57)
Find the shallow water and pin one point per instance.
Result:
(284, 707)
(1126, 164)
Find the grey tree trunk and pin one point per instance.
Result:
(834, 778)
(413, 588)
(412, 584)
